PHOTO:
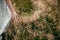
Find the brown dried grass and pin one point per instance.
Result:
(43, 25)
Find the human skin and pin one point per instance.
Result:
(13, 13)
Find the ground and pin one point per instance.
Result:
(42, 24)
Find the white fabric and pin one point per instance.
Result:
(5, 16)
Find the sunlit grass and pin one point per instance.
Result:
(23, 7)
(44, 28)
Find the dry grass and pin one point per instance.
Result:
(23, 7)
(44, 26)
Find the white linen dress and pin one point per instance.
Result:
(5, 16)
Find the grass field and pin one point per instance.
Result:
(23, 6)
(46, 27)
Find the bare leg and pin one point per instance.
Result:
(13, 12)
